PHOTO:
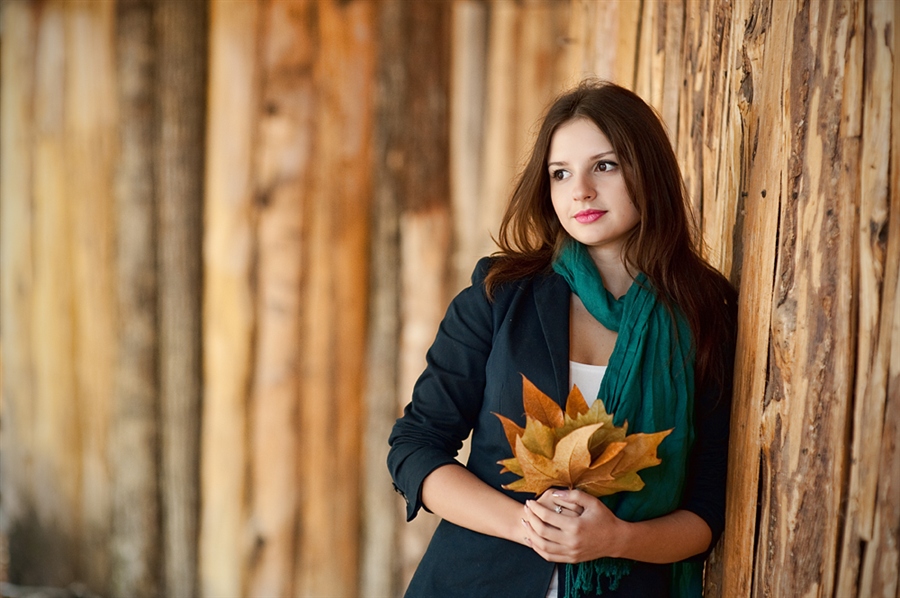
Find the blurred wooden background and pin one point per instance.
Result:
(228, 231)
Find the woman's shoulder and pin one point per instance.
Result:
(500, 274)
(482, 268)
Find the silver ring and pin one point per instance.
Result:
(558, 509)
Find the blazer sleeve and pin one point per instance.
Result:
(447, 396)
(704, 493)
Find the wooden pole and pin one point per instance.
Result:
(335, 284)
(283, 159)
(228, 315)
(382, 519)
(181, 39)
(90, 130)
(469, 46)
(867, 116)
(805, 416)
(876, 527)
(57, 460)
(134, 541)
(425, 219)
(764, 183)
(17, 287)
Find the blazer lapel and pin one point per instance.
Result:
(552, 297)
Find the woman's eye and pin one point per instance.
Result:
(558, 175)
(606, 165)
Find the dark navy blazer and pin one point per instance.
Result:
(474, 369)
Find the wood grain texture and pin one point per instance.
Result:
(607, 35)
(806, 410)
(56, 462)
(91, 121)
(867, 120)
(880, 561)
(764, 172)
(182, 45)
(133, 442)
(17, 287)
(382, 514)
(228, 299)
(334, 316)
(425, 218)
(283, 161)
(468, 63)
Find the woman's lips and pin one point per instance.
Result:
(588, 216)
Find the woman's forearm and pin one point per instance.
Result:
(454, 493)
(585, 529)
(674, 537)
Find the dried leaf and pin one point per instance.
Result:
(539, 406)
(576, 448)
(511, 429)
(511, 465)
(539, 438)
(575, 404)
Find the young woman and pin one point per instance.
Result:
(598, 282)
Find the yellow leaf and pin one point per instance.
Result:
(640, 451)
(511, 429)
(572, 457)
(538, 472)
(575, 404)
(579, 448)
(630, 482)
(539, 438)
(511, 465)
(540, 406)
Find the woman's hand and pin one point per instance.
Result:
(570, 526)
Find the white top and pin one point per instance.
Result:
(588, 378)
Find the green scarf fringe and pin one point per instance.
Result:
(585, 578)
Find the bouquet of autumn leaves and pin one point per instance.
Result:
(579, 448)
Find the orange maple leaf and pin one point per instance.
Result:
(576, 448)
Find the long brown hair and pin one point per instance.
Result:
(664, 245)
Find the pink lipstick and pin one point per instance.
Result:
(588, 216)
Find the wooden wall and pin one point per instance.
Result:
(228, 231)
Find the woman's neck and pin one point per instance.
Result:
(617, 277)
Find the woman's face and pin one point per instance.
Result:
(587, 187)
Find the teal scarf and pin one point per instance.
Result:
(650, 384)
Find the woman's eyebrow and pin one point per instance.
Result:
(600, 155)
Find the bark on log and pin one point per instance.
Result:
(880, 561)
(133, 449)
(228, 300)
(334, 281)
(763, 167)
(182, 58)
(382, 513)
(57, 467)
(607, 36)
(17, 289)
(469, 47)
(91, 121)
(805, 418)
(500, 151)
(425, 220)
(867, 119)
(283, 160)
(723, 141)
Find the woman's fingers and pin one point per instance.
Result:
(541, 518)
(552, 499)
(539, 536)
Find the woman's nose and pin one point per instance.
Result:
(582, 190)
